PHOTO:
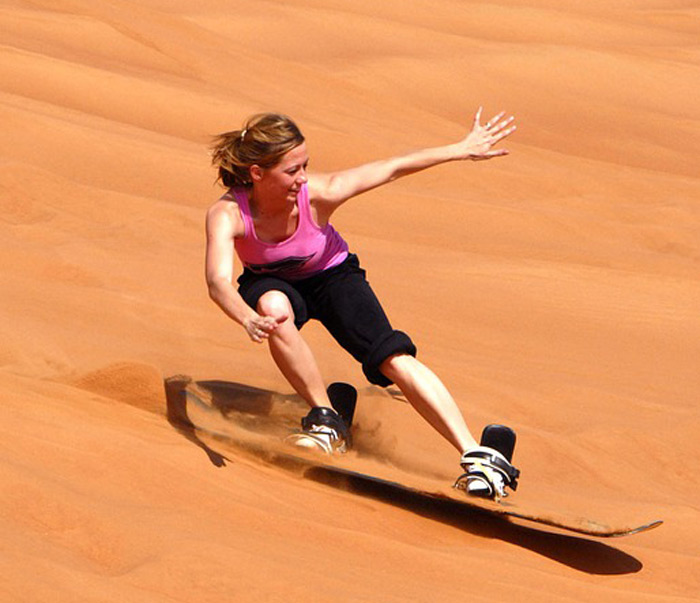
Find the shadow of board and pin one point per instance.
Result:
(577, 552)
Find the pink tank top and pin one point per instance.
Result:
(308, 251)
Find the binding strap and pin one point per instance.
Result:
(495, 460)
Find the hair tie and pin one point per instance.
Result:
(243, 133)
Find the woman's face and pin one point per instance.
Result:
(285, 179)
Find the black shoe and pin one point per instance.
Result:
(322, 430)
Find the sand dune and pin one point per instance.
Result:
(559, 293)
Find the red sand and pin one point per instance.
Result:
(559, 293)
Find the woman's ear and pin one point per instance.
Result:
(256, 173)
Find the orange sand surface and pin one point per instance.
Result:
(556, 290)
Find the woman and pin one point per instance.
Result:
(276, 217)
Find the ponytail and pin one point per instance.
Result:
(263, 140)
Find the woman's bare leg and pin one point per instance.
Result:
(427, 394)
(290, 352)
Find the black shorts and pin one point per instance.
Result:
(342, 299)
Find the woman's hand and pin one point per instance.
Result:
(259, 327)
(478, 143)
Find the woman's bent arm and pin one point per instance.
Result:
(222, 228)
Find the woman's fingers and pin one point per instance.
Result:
(491, 123)
(270, 323)
(497, 129)
(498, 126)
(494, 129)
(477, 117)
(503, 132)
(261, 327)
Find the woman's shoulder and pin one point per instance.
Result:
(225, 215)
(317, 187)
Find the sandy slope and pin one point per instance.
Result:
(556, 290)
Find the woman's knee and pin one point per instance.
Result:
(397, 366)
(382, 360)
(277, 305)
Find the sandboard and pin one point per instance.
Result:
(504, 508)
(273, 451)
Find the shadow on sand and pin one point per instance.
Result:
(580, 553)
(577, 552)
(176, 413)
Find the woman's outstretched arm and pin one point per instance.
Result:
(331, 190)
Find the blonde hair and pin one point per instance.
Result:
(264, 139)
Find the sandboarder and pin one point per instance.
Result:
(276, 217)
